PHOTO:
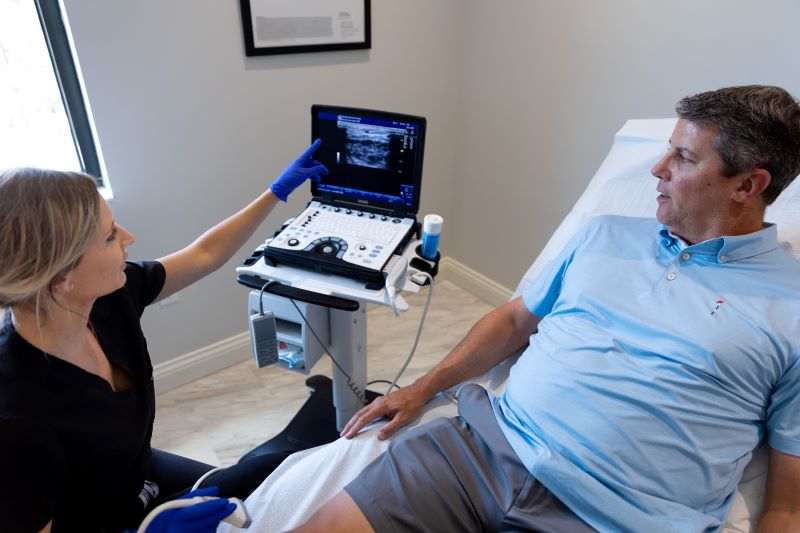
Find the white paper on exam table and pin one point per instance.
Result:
(328, 284)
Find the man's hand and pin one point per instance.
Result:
(492, 339)
(402, 406)
(303, 168)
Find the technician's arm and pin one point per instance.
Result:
(782, 502)
(214, 247)
(492, 339)
(47, 528)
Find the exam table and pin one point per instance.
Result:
(622, 185)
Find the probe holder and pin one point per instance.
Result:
(426, 265)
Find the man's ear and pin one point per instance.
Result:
(753, 184)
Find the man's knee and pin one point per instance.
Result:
(340, 514)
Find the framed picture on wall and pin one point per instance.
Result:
(289, 27)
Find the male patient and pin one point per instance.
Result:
(660, 354)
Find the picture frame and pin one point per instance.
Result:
(300, 26)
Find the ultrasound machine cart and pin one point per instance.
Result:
(332, 275)
(336, 308)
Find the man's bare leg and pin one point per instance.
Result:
(340, 514)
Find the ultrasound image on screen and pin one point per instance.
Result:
(369, 159)
(367, 146)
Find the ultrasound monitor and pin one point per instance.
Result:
(374, 157)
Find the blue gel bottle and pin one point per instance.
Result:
(431, 229)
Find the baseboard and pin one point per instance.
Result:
(201, 362)
(473, 281)
(209, 359)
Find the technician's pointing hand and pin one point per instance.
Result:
(402, 406)
(303, 168)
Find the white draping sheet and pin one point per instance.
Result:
(622, 185)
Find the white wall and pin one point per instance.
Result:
(522, 99)
(191, 129)
(546, 84)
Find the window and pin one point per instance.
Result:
(44, 118)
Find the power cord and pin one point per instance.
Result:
(267, 285)
(206, 476)
(359, 394)
(374, 381)
(419, 334)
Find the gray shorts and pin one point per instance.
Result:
(458, 474)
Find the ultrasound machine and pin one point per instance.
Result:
(355, 243)
(364, 211)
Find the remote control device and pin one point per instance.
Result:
(263, 337)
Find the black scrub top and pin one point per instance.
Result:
(71, 449)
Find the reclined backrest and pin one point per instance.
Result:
(623, 185)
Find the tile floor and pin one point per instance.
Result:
(220, 417)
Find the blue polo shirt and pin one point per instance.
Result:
(657, 370)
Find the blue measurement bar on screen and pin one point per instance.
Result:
(405, 199)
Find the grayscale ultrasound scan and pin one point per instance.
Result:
(367, 146)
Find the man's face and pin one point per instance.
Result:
(695, 197)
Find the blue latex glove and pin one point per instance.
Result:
(198, 518)
(303, 168)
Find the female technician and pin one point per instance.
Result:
(76, 381)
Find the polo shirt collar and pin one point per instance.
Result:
(726, 248)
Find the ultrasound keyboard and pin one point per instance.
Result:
(345, 241)
(367, 227)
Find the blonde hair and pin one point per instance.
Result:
(47, 220)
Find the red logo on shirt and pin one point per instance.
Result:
(718, 305)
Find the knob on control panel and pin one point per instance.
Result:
(328, 248)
